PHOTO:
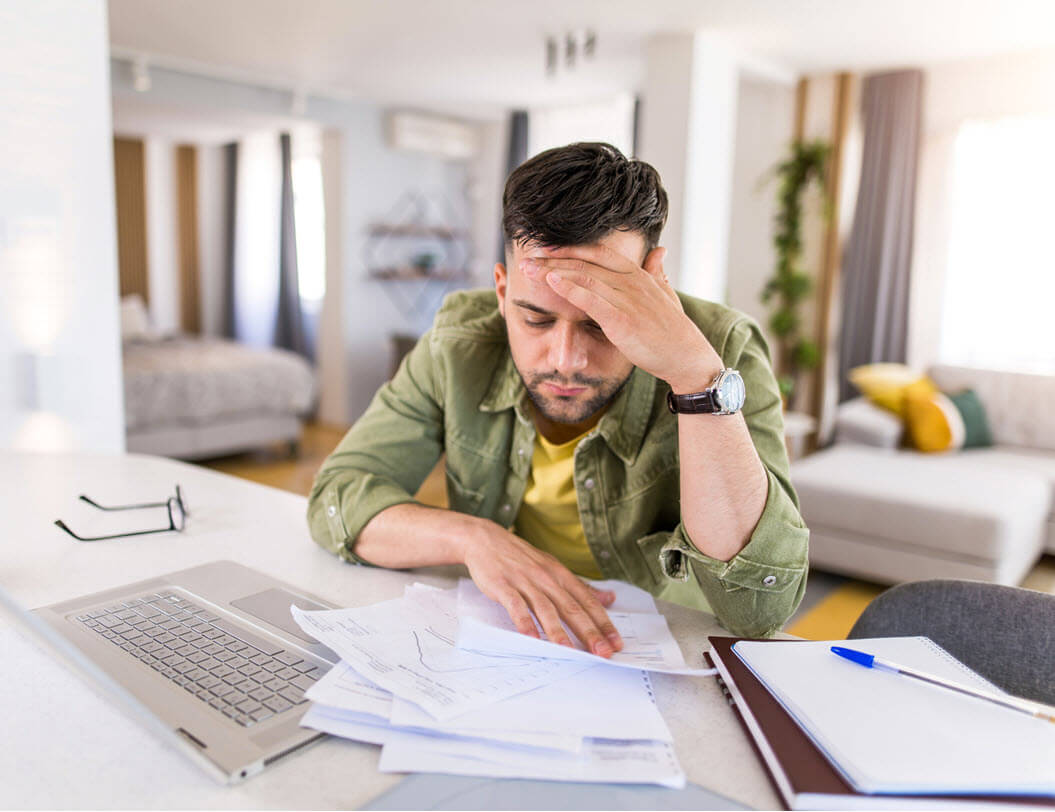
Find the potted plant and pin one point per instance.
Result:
(790, 285)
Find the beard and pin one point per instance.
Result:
(570, 409)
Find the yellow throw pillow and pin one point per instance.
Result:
(888, 385)
(933, 422)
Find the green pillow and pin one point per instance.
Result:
(976, 427)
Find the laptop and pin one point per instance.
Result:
(209, 657)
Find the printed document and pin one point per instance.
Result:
(647, 642)
(407, 646)
(601, 760)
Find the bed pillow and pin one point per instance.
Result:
(938, 422)
(135, 321)
(888, 385)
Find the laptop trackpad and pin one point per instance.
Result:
(272, 606)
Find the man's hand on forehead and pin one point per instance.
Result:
(635, 306)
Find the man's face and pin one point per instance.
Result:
(570, 369)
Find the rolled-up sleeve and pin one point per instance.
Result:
(383, 459)
(754, 593)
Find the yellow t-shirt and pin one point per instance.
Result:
(549, 515)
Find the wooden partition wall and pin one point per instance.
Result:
(130, 189)
(838, 110)
(132, 256)
(187, 217)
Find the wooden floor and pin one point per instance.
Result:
(277, 467)
(832, 603)
(280, 469)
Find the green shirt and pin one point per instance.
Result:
(458, 393)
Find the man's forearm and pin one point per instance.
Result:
(411, 535)
(723, 481)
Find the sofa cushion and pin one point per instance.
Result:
(999, 459)
(888, 385)
(1018, 405)
(861, 421)
(939, 422)
(922, 500)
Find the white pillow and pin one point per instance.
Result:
(135, 321)
(862, 422)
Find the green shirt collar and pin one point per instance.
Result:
(622, 426)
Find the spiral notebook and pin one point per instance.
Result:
(888, 734)
(800, 772)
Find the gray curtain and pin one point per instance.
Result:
(230, 169)
(637, 126)
(876, 265)
(515, 156)
(289, 320)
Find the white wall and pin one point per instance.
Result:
(375, 179)
(487, 177)
(60, 373)
(687, 131)
(330, 351)
(764, 129)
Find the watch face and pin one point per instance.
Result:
(731, 392)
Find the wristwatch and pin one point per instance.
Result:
(725, 395)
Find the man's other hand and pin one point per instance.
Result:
(526, 580)
(635, 306)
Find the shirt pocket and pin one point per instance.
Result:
(461, 498)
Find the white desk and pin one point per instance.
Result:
(63, 746)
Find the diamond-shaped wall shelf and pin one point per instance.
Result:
(417, 244)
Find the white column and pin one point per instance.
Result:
(688, 128)
(159, 155)
(60, 352)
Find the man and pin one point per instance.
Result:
(564, 454)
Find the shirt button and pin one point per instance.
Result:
(588, 484)
(769, 580)
(605, 555)
(331, 511)
(520, 452)
(506, 508)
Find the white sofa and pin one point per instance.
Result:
(889, 514)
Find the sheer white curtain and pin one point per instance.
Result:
(256, 238)
(610, 120)
(257, 225)
(1000, 264)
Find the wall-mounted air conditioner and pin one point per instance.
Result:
(422, 132)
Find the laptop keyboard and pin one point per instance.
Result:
(246, 678)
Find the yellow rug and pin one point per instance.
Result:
(834, 616)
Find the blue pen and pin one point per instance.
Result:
(1037, 709)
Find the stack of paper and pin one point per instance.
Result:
(503, 708)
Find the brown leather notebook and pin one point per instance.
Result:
(800, 772)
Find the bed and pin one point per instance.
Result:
(192, 398)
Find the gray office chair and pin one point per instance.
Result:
(1004, 633)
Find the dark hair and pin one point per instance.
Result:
(579, 193)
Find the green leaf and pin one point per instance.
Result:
(806, 354)
(783, 322)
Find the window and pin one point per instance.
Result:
(611, 121)
(1000, 280)
(310, 218)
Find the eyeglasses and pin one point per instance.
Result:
(177, 510)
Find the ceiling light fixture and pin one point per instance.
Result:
(571, 47)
